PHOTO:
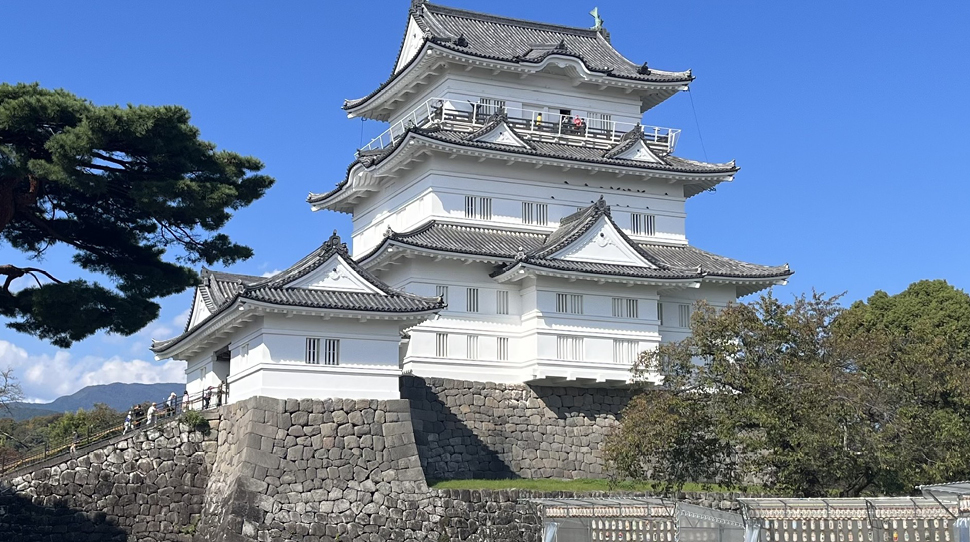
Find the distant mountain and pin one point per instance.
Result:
(117, 396)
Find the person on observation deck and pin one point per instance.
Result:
(185, 401)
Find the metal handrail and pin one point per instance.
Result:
(528, 122)
(49, 450)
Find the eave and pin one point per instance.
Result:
(522, 270)
(240, 311)
(361, 179)
(379, 104)
(390, 250)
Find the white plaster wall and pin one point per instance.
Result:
(717, 295)
(436, 189)
(535, 92)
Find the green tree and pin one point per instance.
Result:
(119, 187)
(808, 398)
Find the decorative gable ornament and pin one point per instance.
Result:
(502, 134)
(640, 152)
(603, 243)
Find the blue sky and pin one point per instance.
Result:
(849, 121)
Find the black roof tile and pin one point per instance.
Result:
(223, 289)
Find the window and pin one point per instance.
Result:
(569, 348)
(625, 351)
(683, 315)
(472, 351)
(601, 121)
(624, 307)
(331, 352)
(202, 373)
(643, 224)
(478, 207)
(313, 351)
(660, 313)
(442, 292)
(535, 213)
(502, 348)
(569, 303)
(441, 345)
(471, 301)
(501, 302)
(488, 107)
(244, 353)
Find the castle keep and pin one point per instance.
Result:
(516, 223)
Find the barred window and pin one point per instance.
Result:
(535, 213)
(442, 292)
(569, 303)
(472, 351)
(441, 345)
(625, 307)
(478, 207)
(643, 224)
(502, 302)
(502, 348)
(683, 315)
(601, 121)
(570, 348)
(331, 352)
(471, 302)
(625, 351)
(313, 351)
(660, 313)
(488, 107)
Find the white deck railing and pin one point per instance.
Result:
(543, 125)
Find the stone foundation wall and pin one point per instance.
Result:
(320, 471)
(315, 470)
(469, 429)
(150, 486)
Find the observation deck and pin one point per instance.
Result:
(594, 130)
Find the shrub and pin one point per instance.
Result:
(195, 421)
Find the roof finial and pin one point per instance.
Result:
(334, 243)
(601, 203)
(644, 70)
(596, 19)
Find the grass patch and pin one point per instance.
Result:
(580, 485)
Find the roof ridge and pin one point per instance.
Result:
(510, 21)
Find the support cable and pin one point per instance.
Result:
(697, 124)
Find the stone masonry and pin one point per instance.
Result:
(469, 429)
(326, 470)
(149, 485)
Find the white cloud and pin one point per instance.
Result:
(45, 377)
(271, 273)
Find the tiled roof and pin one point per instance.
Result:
(523, 42)
(223, 289)
(544, 149)
(511, 247)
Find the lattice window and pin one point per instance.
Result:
(502, 348)
(625, 351)
(313, 351)
(472, 350)
(488, 107)
(569, 303)
(478, 207)
(643, 224)
(471, 301)
(570, 348)
(660, 313)
(501, 302)
(683, 315)
(625, 307)
(441, 345)
(535, 213)
(442, 292)
(601, 121)
(331, 352)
